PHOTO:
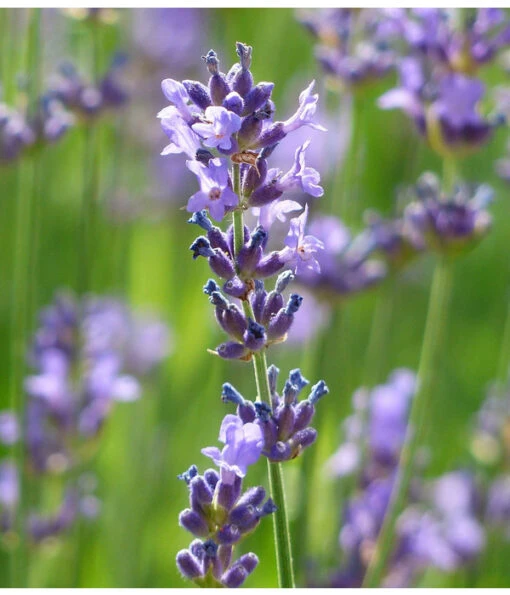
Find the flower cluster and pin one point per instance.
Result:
(219, 512)
(284, 423)
(441, 525)
(437, 89)
(86, 356)
(67, 100)
(352, 45)
(449, 223)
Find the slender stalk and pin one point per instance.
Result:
(504, 355)
(281, 531)
(23, 285)
(436, 318)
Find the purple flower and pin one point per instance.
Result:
(302, 249)
(215, 192)
(176, 93)
(217, 127)
(277, 209)
(9, 485)
(9, 430)
(305, 112)
(182, 137)
(300, 176)
(243, 447)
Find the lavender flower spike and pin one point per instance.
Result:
(215, 193)
(243, 446)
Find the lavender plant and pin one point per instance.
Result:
(227, 131)
(87, 355)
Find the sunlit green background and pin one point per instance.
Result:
(146, 444)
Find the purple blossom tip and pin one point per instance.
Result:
(263, 411)
(269, 507)
(318, 390)
(230, 394)
(188, 475)
(218, 300)
(211, 286)
(201, 247)
(272, 376)
(283, 281)
(294, 304)
(211, 61)
(200, 218)
(297, 379)
(244, 52)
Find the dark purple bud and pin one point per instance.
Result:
(303, 439)
(218, 240)
(234, 322)
(230, 237)
(257, 97)
(211, 477)
(198, 93)
(297, 379)
(272, 376)
(304, 414)
(272, 135)
(264, 195)
(243, 79)
(279, 325)
(251, 129)
(255, 336)
(254, 177)
(254, 496)
(263, 411)
(225, 555)
(285, 418)
(251, 253)
(228, 535)
(194, 523)
(243, 516)
(274, 304)
(201, 247)
(221, 264)
(219, 300)
(200, 495)
(270, 265)
(235, 287)
(228, 494)
(234, 577)
(210, 549)
(318, 390)
(269, 432)
(231, 350)
(258, 300)
(281, 451)
(203, 156)
(245, 409)
(234, 103)
(218, 87)
(290, 392)
(201, 219)
(188, 475)
(188, 565)
(249, 561)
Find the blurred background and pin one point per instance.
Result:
(107, 148)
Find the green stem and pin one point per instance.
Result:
(379, 332)
(23, 287)
(281, 531)
(348, 187)
(504, 356)
(436, 318)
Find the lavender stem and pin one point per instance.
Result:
(281, 531)
(436, 318)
